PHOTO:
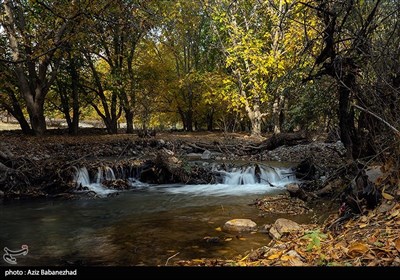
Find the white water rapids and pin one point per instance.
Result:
(254, 179)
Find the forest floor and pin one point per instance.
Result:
(371, 238)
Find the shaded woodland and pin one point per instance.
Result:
(255, 66)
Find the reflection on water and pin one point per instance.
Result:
(144, 226)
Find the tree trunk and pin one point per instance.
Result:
(16, 111)
(36, 112)
(26, 129)
(34, 76)
(255, 117)
(275, 115)
(129, 121)
(210, 119)
(183, 118)
(346, 116)
(189, 120)
(65, 106)
(73, 129)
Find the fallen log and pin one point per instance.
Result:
(280, 139)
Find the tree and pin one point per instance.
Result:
(36, 33)
(186, 32)
(260, 45)
(65, 93)
(347, 31)
(116, 32)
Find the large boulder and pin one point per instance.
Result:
(240, 225)
(282, 227)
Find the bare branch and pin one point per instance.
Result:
(379, 118)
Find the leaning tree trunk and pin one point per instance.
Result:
(15, 110)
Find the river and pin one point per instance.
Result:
(143, 226)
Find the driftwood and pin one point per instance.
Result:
(275, 141)
(288, 139)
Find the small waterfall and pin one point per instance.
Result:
(250, 179)
(82, 180)
(96, 183)
(240, 177)
(258, 174)
(277, 177)
(82, 177)
(109, 174)
(254, 179)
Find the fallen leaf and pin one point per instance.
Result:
(286, 258)
(245, 257)
(357, 248)
(364, 219)
(386, 195)
(362, 225)
(242, 238)
(397, 244)
(228, 239)
(218, 229)
(395, 213)
(274, 256)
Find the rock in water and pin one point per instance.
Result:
(293, 189)
(283, 226)
(240, 225)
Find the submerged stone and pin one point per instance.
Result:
(240, 225)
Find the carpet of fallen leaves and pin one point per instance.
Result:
(372, 239)
(282, 204)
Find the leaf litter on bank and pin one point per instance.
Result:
(368, 240)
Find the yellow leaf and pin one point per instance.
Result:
(386, 195)
(245, 257)
(218, 229)
(358, 248)
(228, 239)
(242, 238)
(362, 225)
(395, 213)
(274, 256)
(286, 258)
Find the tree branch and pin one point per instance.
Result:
(379, 118)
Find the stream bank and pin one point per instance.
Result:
(46, 167)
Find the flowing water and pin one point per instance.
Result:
(143, 226)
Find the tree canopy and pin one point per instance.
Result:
(247, 65)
